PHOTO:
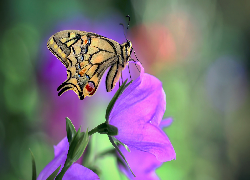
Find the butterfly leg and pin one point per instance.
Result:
(129, 72)
(136, 65)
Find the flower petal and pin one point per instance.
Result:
(143, 99)
(137, 114)
(76, 171)
(79, 172)
(61, 147)
(60, 157)
(143, 165)
(166, 122)
(149, 138)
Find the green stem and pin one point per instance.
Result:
(100, 128)
(63, 171)
(93, 131)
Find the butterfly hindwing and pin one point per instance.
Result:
(113, 76)
(87, 56)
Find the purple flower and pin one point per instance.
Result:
(137, 114)
(143, 164)
(76, 171)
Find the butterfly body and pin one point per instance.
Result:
(87, 56)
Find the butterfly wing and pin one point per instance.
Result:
(58, 48)
(116, 69)
(86, 57)
(113, 76)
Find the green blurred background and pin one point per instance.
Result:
(198, 49)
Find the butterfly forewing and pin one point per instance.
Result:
(87, 56)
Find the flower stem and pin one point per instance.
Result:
(105, 128)
(93, 131)
(63, 171)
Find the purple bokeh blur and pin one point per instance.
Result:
(226, 82)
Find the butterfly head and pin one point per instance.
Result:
(127, 50)
(129, 46)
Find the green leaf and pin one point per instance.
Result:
(72, 148)
(78, 145)
(33, 166)
(76, 149)
(70, 128)
(53, 175)
(119, 142)
(113, 100)
(117, 148)
(87, 155)
(121, 163)
(81, 145)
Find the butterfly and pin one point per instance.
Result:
(87, 56)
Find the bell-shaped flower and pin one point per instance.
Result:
(137, 114)
(76, 171)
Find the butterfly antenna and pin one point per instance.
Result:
(132, 48)
(127, 27)
(123, 31)
(128, 20)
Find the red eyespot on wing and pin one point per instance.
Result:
(92, 92)
(90, 86)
